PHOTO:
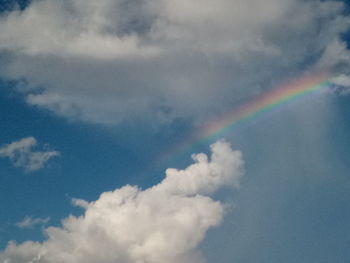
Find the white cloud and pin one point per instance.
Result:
(341, 84)
(342, 80)
(80, 203)
(22, 155)
(29, 222)
(107, 61)
(164, 223)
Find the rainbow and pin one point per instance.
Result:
(266, 102)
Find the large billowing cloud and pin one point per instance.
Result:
(164, 223)
(106, 61)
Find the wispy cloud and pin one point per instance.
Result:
(164, 223)
(22, 155)
(30, 222)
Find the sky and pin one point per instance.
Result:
(140, 131)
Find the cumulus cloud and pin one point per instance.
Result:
(107, 61)
(22, 155)
(29, 222)
(164, 223)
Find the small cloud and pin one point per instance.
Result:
(80, 203)
(29, 222)
(341, 84)
(22, 155)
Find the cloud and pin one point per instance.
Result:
(108, 61)
(22, 155)
(164, 223)
(29, 222)
(80, 203)
(342, 80)
(341, 84)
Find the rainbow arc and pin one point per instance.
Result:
(254, 109)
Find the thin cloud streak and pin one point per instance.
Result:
(30, 222)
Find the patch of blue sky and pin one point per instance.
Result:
(7, 5)
(93, 160)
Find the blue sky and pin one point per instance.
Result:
(94, 94)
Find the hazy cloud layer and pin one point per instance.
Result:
(106, 61)
(164, 223)
(22, 155)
